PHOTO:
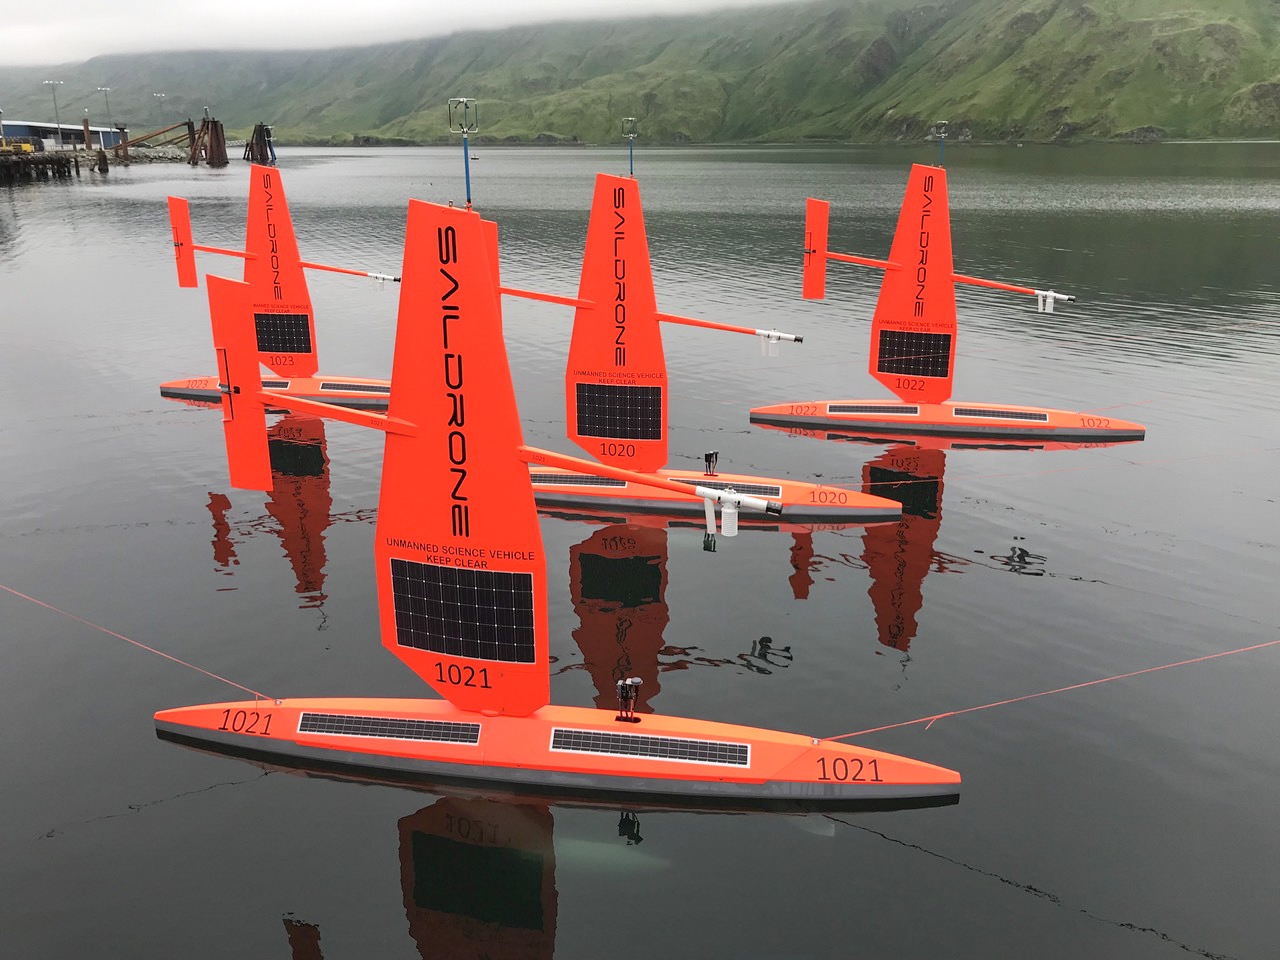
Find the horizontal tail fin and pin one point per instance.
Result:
(183, 251)
(244, 418)
(817, 218)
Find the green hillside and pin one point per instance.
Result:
(855, 70)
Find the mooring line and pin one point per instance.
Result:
(929, 720)
(120, 636)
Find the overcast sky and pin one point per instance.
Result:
(69, 31)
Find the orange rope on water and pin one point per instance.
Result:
(928, 721)
(120, 636)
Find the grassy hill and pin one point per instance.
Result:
(852, 70)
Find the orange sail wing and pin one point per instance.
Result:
(244, 419)
(913, 332)
(616, 382)
(283, 318)
(460, 566)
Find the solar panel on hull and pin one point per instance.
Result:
(575, 480)
(1000, 414)
(914, 354)
(885, 408)
(275, 384)
(652, 748)
(625, 413)
(390, 728)
(357, 387)
(479, 614)
(750, 489)
(283, 332)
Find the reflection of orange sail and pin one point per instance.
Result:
(900, 555)
(616, 383)
(299, 499)
(913, 331)
(618, 578)
(224, 548)
(281, 303)
(802, 564)
(479, 879)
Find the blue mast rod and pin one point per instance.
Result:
(466, 164)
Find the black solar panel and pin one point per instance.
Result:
(888, 408)
(623, 413)
(999, 414)
(480, 614)
(275, 384)
(283, 332)
(914, 354)
(575, 480)
(356, 387)
(391, 728)
(655, 748)
(750, 489)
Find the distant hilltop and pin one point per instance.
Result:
(880, 70)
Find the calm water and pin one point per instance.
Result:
(1134, 819)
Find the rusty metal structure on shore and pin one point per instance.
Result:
(207, 143)
(260, 147)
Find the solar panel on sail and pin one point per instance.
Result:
(462, 612)
(915, 354)
(283, 332)
(619, 412)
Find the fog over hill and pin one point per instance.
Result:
(856, 70)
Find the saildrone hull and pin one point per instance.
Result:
(951, 419)
(357, 392)
(561, 749)
(801, 502)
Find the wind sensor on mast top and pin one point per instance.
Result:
(939, 132)
(464, 118)
(629, 131)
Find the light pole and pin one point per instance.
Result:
(160, 97)
(106, 95)
(53, 86)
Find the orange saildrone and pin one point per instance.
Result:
(284, 321)
(913, 338)
(616, 386)
(616, 380)
(461, 580)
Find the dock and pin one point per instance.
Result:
(46, 165)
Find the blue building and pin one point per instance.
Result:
(72, 133)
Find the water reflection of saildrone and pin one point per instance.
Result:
(618, 582)
(897, 555)
(299, 503)
(478, 878)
